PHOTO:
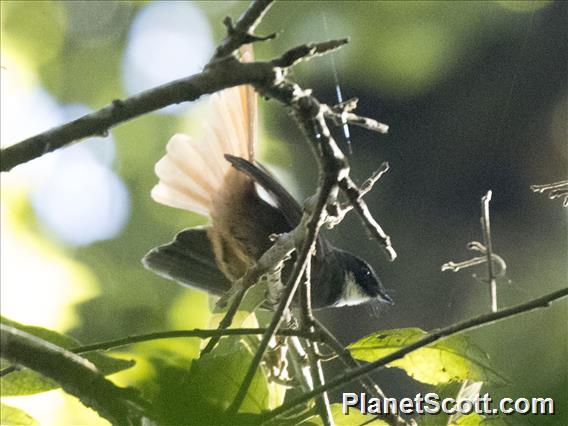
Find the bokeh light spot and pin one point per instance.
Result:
(166, 41)
(82, 201)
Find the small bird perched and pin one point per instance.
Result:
(196, 175)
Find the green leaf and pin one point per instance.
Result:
(472, 419)
(14, 416)
(202, 389)
(354, 417)
(453, 359)
(28, 382)
(217, 377)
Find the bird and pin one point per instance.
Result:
(218, 176)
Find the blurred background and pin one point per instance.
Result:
(475, 94)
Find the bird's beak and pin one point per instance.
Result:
(386, 298)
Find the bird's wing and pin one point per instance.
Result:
(189, 260)
(283, 199)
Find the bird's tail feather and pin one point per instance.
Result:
(193, 171)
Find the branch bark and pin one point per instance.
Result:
(76, 375)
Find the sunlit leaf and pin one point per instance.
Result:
(28, 382)
(453, 359)
(354, 417)
(217, 377)
(14, 416)
(473, 419)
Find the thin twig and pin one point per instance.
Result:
(339, 118)
(176, 334)
(226, 321)
(486, 228)
(241, 33)
(308, 51)
(478, 260)
(366, 381)
(198, 333)
(470, 324)
(366, 186)
(312, 349)
(373, 228)
(554, 190)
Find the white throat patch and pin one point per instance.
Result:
(352, 294)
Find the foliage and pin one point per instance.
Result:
(453, 359)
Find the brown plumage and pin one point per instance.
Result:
(195, 176)
(217, 177)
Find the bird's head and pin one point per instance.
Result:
(361, 284)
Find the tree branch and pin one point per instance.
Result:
(76, 375)
(214, 78)
(241, 33)
(470, 324)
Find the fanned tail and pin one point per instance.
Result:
(193, 171)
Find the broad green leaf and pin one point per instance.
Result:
(453, 359)
(216, 377)
(14, 416)
(28, 382)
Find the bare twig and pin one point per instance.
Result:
(470, 324)
(474, 261)
(76, 375)
(226, 321)
(373, 228)
(486, 228)
(197, 333)
(339, 118)
(312, 349)
(307, 51)
(345, 208)
(554, 190)
(241, 33)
